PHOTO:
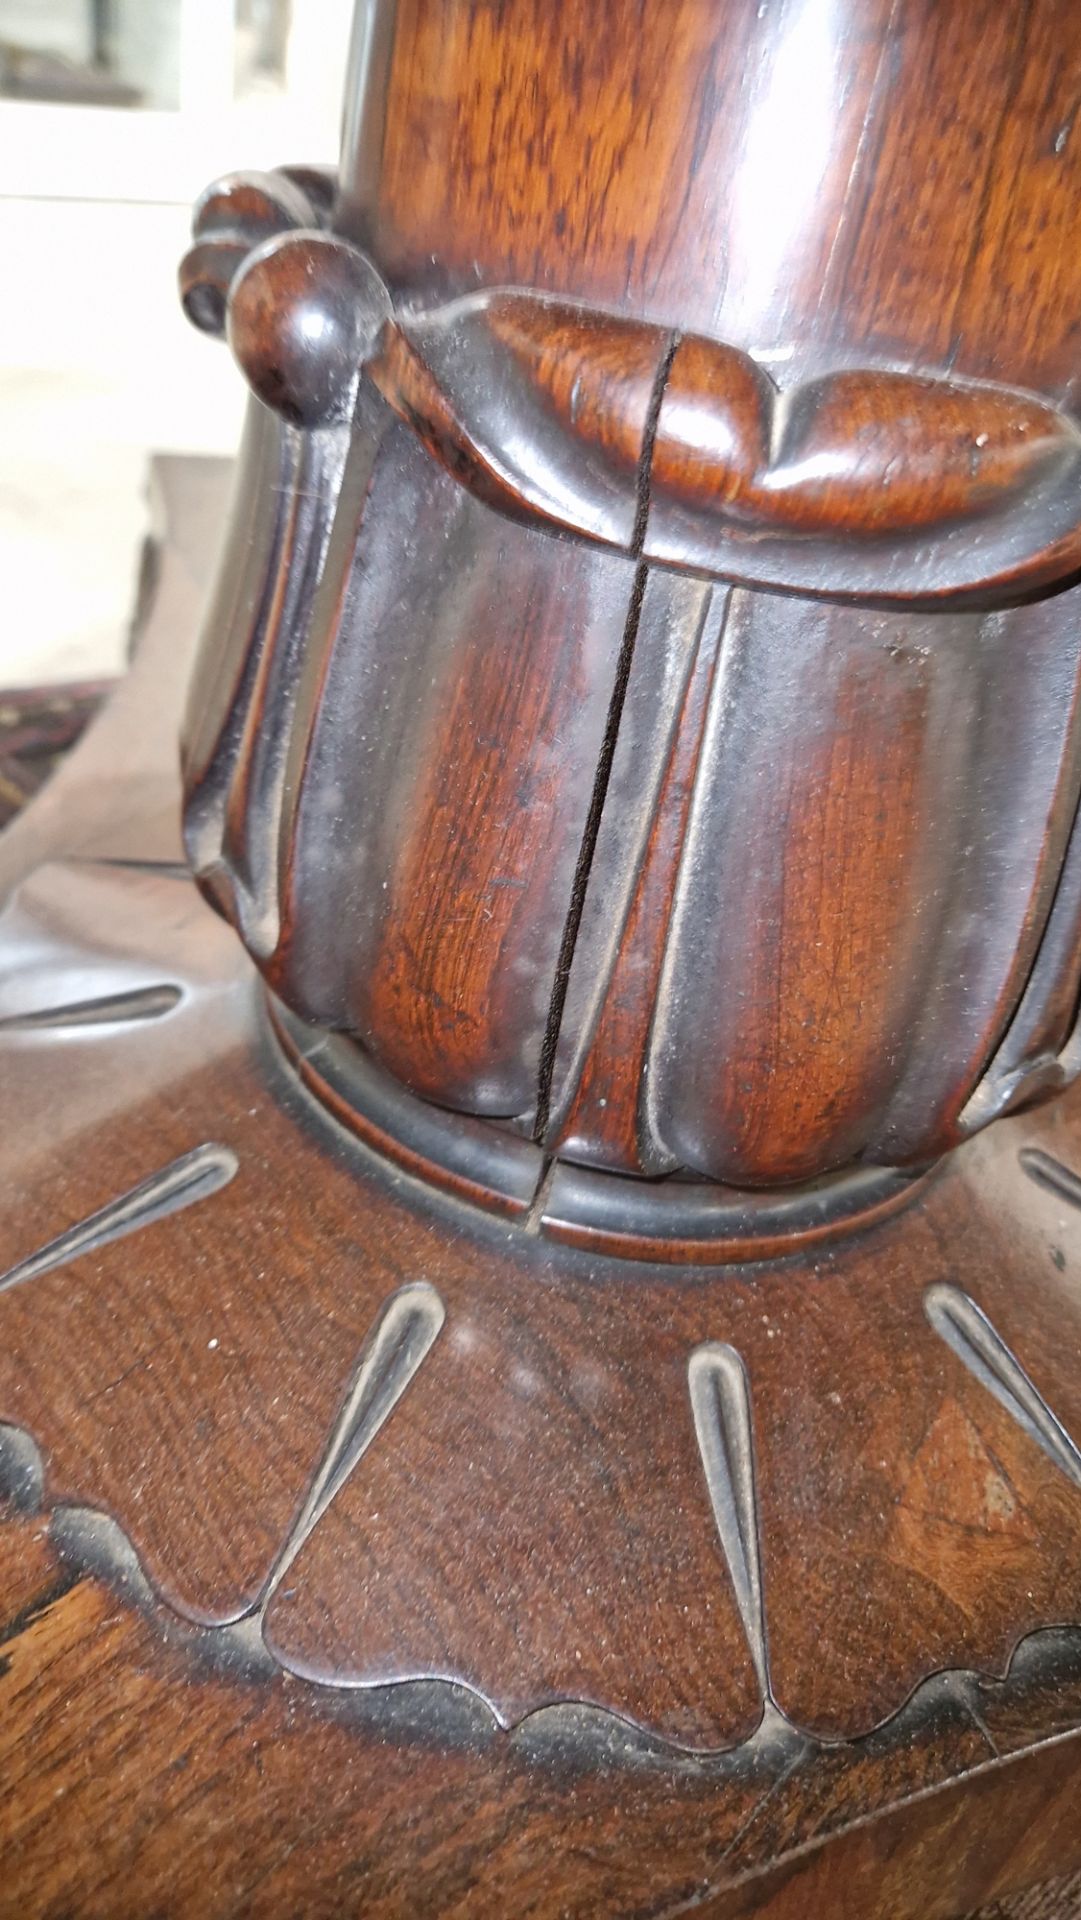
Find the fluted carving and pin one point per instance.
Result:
(668, 875)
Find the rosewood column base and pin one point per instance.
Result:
(371, 1544)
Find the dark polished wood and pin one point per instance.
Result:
(878, 486)
(896, 1517)
(535, 923)
(191, 1787)
(539, 1302)
(865, 180)
(179, 1329)
(168, 1392)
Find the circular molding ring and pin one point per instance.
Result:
(673, 1220)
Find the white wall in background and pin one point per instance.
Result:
(98, 369)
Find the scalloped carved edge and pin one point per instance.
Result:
(94, 1541)
(401, 1335)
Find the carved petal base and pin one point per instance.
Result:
(405, 1439)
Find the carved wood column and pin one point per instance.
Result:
(617, 1122)
(525, 775)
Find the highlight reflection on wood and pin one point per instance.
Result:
(879, 485)
(538, 1339)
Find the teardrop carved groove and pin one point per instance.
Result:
(193, 1177)
(400, 1341)
(143, 1003)
(721, 1405)
(970, 1335)
(1050, 1173)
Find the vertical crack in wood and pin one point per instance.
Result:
(1050, 1173)
(141, 1003)
(399, 1342)
(40, 1604)
(644, 475)
(586, 851)
(970, 1335)
(192, 1177)
(721, 1405)
(580, 882)
(663, 684)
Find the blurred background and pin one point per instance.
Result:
(113, 115)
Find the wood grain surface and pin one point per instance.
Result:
(434, 737)
(388, 1542)
(536, 1514)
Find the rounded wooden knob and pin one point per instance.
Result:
(234, 214)
(304, 313)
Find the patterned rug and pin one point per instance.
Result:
(1054, 1900)
(37, 726)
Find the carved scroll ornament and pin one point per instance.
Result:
(678, 450)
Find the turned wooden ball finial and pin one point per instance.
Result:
(303, 316)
